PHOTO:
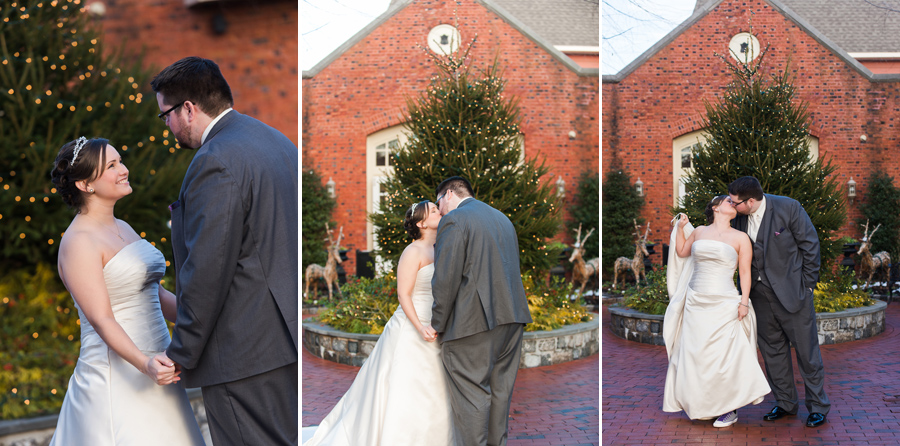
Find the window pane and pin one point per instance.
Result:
(380, 158)
(686, 158)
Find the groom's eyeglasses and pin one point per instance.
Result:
(438, 201)
(165, 114)
(738, 203)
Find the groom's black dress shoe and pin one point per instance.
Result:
(777, 413)
(815, 420)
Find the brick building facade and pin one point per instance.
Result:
(353, 100)
(254, 43)
(653, 109)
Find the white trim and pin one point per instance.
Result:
(376, 174)
(577, 49)
(875, 55)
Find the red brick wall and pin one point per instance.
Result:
(257, 53)
(663, 99)
(365, 90)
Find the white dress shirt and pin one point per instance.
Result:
(211, 125)
(755, 219)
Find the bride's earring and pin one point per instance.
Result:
(91, 190)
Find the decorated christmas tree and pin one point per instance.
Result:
(464, 125)
(59, 84)
(760, 128)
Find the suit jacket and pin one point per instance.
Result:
(477, 283)
(234, 236)
(786, 250)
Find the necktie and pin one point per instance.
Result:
(753, 226)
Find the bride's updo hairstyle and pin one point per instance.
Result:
(710, 213)
(415, 214)
(78, 160)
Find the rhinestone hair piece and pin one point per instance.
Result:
(413, 208)
(79, 144)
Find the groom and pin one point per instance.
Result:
(234, 236)
(784, 272)
(479, 310)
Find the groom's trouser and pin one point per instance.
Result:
(482, 369)
(259, 410)
(776, 330)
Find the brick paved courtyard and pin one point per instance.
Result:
(552, 405)
(862, 379)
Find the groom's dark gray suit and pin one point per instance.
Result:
(480, 310)
(784, 271)
(234, 237)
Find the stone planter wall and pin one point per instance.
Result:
(37, 431)
(538, 348)
(834, 328)
(635, 326)
(851, 325)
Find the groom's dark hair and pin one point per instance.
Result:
(746, 187)
(197, 80)
(459, 185)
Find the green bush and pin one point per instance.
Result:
(621, 208)
(550, 306)
(835, 292)
(41, 337)
(585, 211)
(879, 207)
(369, 303)
(652, 297)
(317, 207)
(366, 307)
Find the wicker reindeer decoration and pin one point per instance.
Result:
(582, 271)
(329, 271)
(636, 264)
(870, 265)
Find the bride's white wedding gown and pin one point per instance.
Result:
(713, 366)
(108, 401)
(400, 395)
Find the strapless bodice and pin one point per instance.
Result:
(422, 298)
(714, 265)
(132, 281)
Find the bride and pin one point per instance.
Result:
(709, 327)
(118, 394)
(400, 395)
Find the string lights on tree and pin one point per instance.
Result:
(760, 128)
(463, 125)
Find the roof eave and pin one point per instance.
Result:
(702, 11)
(490, 5)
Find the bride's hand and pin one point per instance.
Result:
(742, 311)
(428, 333)
(682, 220)
(162, 370)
